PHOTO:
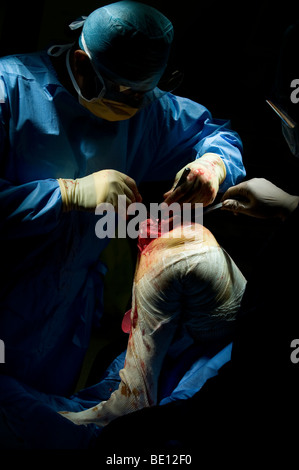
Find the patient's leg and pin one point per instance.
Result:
(188, 279)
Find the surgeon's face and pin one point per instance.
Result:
(91, 83)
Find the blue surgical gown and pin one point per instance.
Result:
(51, 282)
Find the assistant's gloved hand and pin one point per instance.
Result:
(260, 198)
(203, 181)
(103, 186)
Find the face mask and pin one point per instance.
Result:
(102, 107)
(108, 109)
(291, 136)
(289, 128)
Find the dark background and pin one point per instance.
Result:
(228, 52)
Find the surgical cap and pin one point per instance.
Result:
(129, 42)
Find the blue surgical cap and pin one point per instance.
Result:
(129, 42)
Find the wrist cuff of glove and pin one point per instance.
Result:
(216, 161)
(67, 188)
(79, 194)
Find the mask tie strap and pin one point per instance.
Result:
(77, 23)
(58, 49)
(70, 72)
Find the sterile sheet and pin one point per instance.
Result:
(29, 418)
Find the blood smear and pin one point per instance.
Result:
(148, 231)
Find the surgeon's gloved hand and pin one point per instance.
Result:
(203, 181)
(259, 198)
(101, 187)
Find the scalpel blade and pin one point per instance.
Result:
(212, 208)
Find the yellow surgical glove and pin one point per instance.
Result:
(203, 181)
(101, 187)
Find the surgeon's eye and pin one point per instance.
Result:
(134, 95)
(113, 86)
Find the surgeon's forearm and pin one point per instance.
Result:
(235, 170)
(29, 209)
(228, 146)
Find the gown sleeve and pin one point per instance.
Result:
(187, 131)
(34, 206)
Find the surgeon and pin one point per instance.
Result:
(81, 124)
